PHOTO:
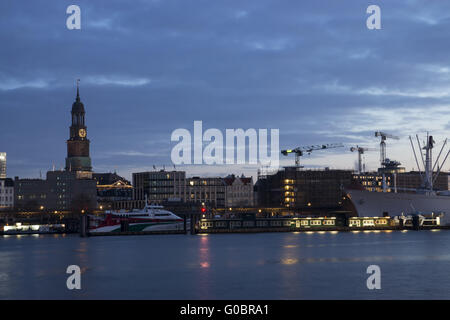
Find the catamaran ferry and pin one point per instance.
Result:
(150, 218)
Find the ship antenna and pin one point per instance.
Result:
(439, 168)
(439, 155)
(415, 157)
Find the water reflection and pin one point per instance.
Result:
(231, 266)
(82, 255)
(289, 261)
(204, 280)
(290, 270)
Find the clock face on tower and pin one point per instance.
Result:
(82, 133)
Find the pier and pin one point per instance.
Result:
(196, 223)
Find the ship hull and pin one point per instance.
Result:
(142, 226)
(377, 204)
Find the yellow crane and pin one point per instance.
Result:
(300, 151)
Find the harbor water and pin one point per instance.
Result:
(326, 265)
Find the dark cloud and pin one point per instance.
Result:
(311, 69)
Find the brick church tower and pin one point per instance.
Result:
(78, 144)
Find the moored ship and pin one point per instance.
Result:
(150, 218)
(376, 204)
(393, 203)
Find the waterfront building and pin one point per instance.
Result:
(112, 188)
(210, 191)
(108, 178)
(2, 165)
(400, 181)
(173, 187)
(30, 194)
(6, 193)
(412, 180)
(159, 186)
(293, 187)
(60, 191)
(372, 181)
(239, 191)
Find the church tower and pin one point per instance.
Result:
(78, 144)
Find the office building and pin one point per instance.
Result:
(2, 165)
(6, 194)
(295, 188)
(60, 191)
(159, 186)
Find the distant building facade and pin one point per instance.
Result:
(293, 187)
(159, 186)
(239, 191)
(402, 181)
(208, 190)
(6, 193)
(112, 188)
(2, 165)
(173, 186)
(61, 191)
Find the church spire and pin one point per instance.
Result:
(78, 144)
(78, 89)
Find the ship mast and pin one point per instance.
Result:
(428, 183)
(428, 178)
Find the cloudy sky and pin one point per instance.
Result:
(311, 69)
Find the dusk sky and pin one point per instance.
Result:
(311, 69)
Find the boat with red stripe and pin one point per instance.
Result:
(150, 218)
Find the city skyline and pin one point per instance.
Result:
(147, 72)
(224, 158)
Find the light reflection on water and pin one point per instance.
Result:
(229, 266)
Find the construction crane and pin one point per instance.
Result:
(383, 137)
(300, 151)
(361, 151)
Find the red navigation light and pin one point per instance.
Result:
(203, 209)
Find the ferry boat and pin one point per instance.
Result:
(150, 218)
(424, 199)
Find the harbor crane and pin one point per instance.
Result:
(300, 151)
(383, 137)
(361, 151)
